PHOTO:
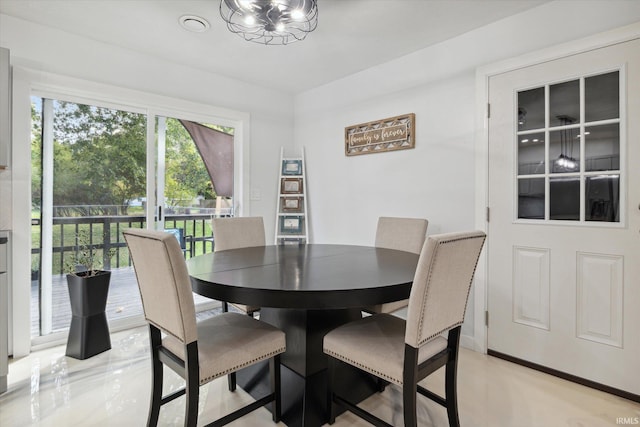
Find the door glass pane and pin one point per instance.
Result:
(531, 154)
(531, 198)
(602, 147)
(564, 150)
(98, 172)
(602, 198)
(572, 157)
(564, 198)
(564, 103)
(602, 97)
(190, 192)
(531, 109)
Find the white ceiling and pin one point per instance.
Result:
(352, 35)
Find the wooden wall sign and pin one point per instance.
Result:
(394, 133)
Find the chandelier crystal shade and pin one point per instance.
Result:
(270, 21)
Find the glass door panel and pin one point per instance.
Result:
(531, 109)
(186, 188)
(564, 150)
(531, 153)
(93, 169)
(602, 198)
(564, 103)
(185, 184)
(580, 157)
(602, 97)
(531, 202)
(602, 147)
(564, 199)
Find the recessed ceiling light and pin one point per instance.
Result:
(195, 24)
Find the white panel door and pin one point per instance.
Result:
(564, 196)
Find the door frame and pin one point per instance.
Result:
(483, 74)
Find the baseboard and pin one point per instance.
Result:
(565, 376)
(467, 342)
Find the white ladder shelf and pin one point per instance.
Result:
(291, 211)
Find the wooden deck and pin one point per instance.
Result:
(123, 300)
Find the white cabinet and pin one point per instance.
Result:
(291, 217)
(5, 107)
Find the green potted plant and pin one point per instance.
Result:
(88, 285)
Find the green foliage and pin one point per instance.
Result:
(99, 155)
(186, 176)
(36, 153)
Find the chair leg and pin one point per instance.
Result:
(409, 392)
(451, 393)
(192, 385)
(410, 386)
(451, 377)
(191, 409)
(156, 377)
(274, 373)
(231, 379)
(331, 407)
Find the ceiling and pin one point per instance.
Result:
(352, 35)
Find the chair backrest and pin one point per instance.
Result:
(239, 232)
(403, 234)
(164, 282)
(441, 285)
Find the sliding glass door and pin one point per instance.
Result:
(97, 170)
(89, 164)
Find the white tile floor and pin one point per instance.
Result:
(112, 389)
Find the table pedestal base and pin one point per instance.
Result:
(304, 366)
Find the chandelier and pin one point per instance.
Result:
(566, 162)
(270, 21)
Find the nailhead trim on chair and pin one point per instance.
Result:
(242, 365)
(423, 308)
(363, 367)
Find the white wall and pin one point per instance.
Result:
(348, 194)
(435, 180)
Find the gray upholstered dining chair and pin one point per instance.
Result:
(236, 233)
(403, 234)
(197, 351)
(405, 352)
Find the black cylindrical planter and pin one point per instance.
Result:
(89, 332)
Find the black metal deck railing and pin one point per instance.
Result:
(102, 236)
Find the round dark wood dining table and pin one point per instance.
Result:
(305, 290)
